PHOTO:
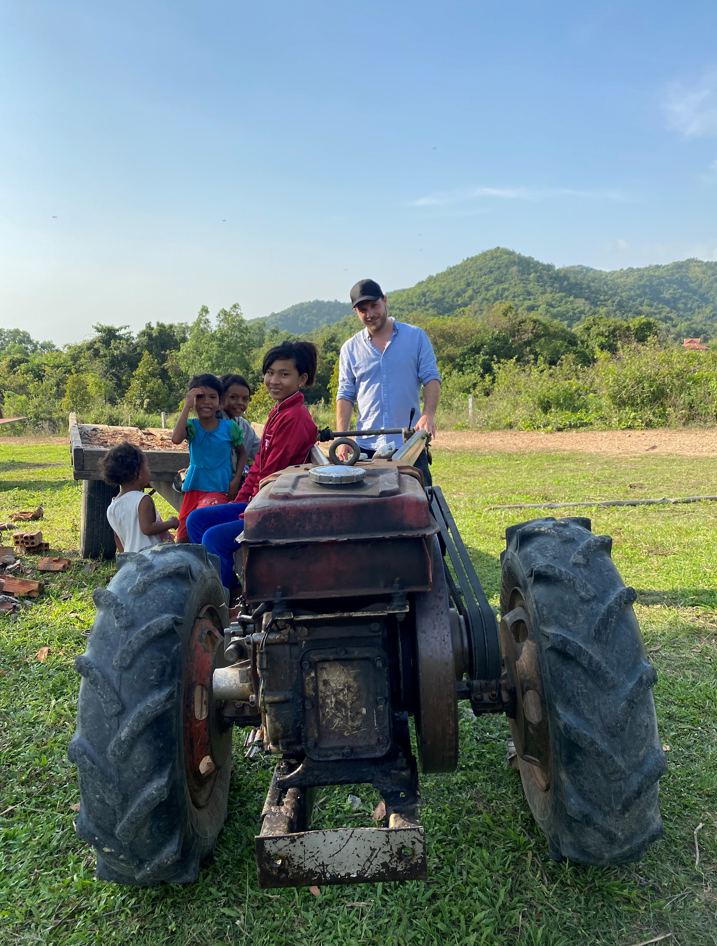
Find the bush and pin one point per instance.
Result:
(639, 386)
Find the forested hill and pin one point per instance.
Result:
(305, 317)
(682, 295)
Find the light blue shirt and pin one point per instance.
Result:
(386, 385)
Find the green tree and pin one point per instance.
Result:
(224, 348)
(260, 405)
(16, 336)
(112, 354)
(146, 390)
(334, 384)
(84, 391)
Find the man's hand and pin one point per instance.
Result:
(343, 452)
(171, 523)
(426, 422)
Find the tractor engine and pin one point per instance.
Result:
(348, 632)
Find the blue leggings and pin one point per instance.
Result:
(216, 528)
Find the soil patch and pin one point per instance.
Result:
(694, 442)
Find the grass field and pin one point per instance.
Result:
(491, 881)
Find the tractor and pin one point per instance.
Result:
(362, 626)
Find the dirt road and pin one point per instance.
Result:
(689, 442)
(692, 442)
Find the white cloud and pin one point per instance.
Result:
(692, 109)
(514, 193)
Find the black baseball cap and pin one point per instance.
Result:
(365, 290)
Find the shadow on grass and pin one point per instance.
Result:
(8, 466)
(684, 597)
(34, 486)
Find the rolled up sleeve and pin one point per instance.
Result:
(346, 390)
(427, 367)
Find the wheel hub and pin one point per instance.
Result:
(207, 743)
(530, 729)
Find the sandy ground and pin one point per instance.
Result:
(691, 442)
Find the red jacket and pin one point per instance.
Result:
(288, 436)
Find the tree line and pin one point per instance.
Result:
(117, 376)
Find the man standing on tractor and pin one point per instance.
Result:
(382, 368)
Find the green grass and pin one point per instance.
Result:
(491, 881)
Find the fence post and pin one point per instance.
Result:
(164, 419)
(471, 405)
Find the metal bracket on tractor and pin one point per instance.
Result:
(288, 855)
(361, 610)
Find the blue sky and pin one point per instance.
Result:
(158, 156)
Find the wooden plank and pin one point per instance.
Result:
(167, 461)
(76, 450)
(12, 420)
(160, 461)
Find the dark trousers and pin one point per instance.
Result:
(420, 464)
(217, 528)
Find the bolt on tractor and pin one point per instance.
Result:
(361, 611)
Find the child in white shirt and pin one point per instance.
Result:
(132, 515)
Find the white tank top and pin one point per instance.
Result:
(123, 516)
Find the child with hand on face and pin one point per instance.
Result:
(210, 479)
(132, 515)
(236, 395)
(288, 436)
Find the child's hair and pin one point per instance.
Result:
(121, 464)
(228, 380)
(206, 381)
(303, 354)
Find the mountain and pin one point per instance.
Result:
(681, 295)
(305, 317)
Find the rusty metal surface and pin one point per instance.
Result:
(346, 702)
(389, 501)
(341, 856)
(206, 743)
(529, 728)
(235, 682)
(437, 711)
(337, 569)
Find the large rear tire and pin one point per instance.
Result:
(585, 729)
(154, 760)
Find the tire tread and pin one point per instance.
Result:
(602, 806)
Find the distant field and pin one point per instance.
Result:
(491, 881)
(683, 441)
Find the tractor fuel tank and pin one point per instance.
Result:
(304, 539)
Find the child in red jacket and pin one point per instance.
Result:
(288, 436)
